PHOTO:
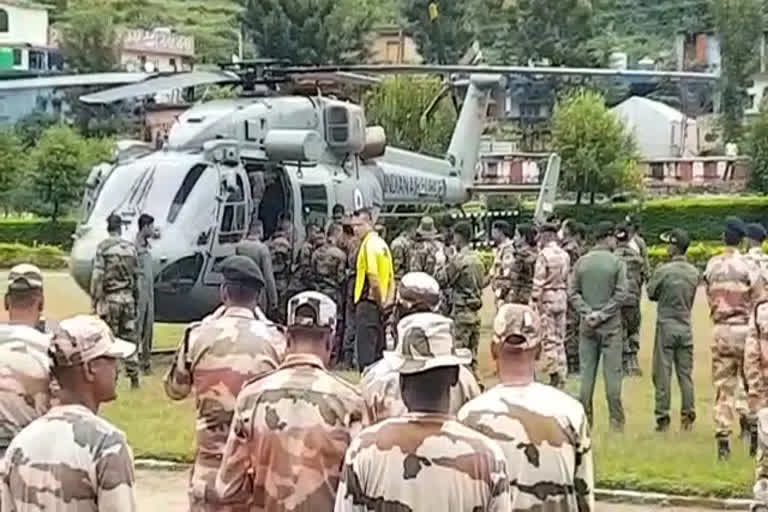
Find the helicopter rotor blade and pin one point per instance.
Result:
(163, 83)
(504, 70)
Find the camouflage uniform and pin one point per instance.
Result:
(544, 434)
(301, 275)
(733, 287)
(575, 252)
(425, 255)
(550, 300)
(281, 251)
(289, 434)
(521, 274)
(214, 360)
(328, 271)
(501, 272)
(399, 249)
(758, 257)
(465, 276)
(423, 461)
(756, 374)
(348, 346)
(70, 459)
(26, 383)
(114, 290)
(630, 310)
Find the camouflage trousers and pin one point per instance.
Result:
(728, 376)
(467, 325)
(347, 357)
(761, 466)
(282, 299)
(202, 483)
(572, 340)
(118, 310)
(630, 322)
(553, 322)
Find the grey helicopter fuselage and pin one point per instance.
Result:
(313, 153)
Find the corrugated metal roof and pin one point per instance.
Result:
(73, 80)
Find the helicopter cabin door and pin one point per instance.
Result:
(232, 222)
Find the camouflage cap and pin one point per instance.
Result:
(25, 277)
(516, 325)
(425, 342)
(418, 289)
(84, 338)
(315, 310)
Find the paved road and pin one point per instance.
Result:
(165, 490)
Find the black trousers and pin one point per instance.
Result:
(369, 333)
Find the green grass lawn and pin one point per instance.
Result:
(639, 459)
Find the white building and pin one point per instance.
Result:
(157, 50)
(24, 43)
(660, 130)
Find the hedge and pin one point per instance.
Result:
(44, 256)
(38, 232)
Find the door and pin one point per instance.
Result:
(232, 222)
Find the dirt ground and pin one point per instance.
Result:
(165, 490)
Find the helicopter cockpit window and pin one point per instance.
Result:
(184, 190)
(338, 125)
(233, 219)
(314, 199)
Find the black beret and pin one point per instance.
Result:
(242, 270)
(114, 221)
(736, 226)
(604, 229)
(756, 232)
(622, 232)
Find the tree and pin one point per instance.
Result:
(443, 31)
(757, 149)
(13, 164)
(398, 104)
(739, 25)
(310, 31)
(598, 153)
(524, 30)
(89, 38)
(59, 167)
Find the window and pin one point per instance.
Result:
(314, 200)
(36, 60)
(233, 218)
(17, 57)
(172, 63)
(657, 171)
(3, 20)
(393, 52)
(184, 190)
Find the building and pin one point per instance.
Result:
(25, 45)
(392, 45)
(157, 50)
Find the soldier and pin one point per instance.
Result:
(146, 305)
(755, 237)
(27, 388)
(338, 213)
(400, 247)
(756, 374)
(673, 286)
(115, 289)
(426, 254)
(351, 245)
(70, 458)
(425, 460)
(734, 286)
(292, 426)
(281, 252)
(543, 432)
(596, 290)
(574, 240)
(258, 188)
(417, 293)
(630, 310)
(521, 275)
(329, 271)
(213, 361)
(464, 275)
(503, 261)
(301, 275)
(256, 250)
(549, 299)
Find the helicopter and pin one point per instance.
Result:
(312, 152)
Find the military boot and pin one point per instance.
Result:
(723, 449)
(135, 382)
(662, 425)
(686, 424)
(753, 440)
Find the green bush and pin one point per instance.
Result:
(38, 232)
(44, 256)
